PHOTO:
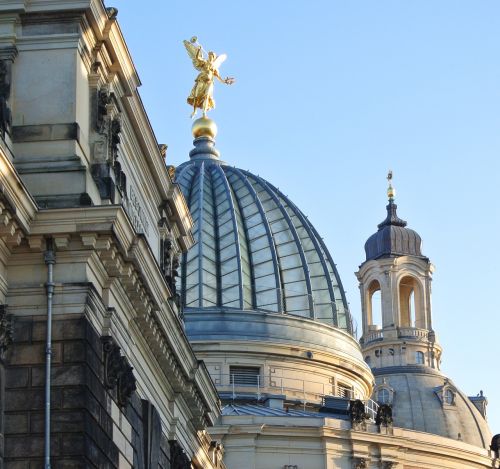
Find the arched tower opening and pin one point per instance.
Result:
(374, 305)
(409, 302)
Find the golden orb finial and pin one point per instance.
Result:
(204, 127)
(391, 192)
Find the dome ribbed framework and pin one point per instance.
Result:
(255, 249)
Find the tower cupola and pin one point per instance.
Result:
(395, 283)
(393, 238)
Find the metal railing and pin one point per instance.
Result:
(305, 391)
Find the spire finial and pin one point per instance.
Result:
(391, 192)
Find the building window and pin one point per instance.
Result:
(343, 390)
(368, 360)
(244, 375)
(383, 396)
(419, 358)
(449, 397)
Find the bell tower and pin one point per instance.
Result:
(395, 285)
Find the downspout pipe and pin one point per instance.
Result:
(50, 260)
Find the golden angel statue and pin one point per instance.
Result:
(201, 96)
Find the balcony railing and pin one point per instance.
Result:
(313, 392)
(373, 336)
(403, 332)
(413, 332)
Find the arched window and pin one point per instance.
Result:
(408, 302)
(449, 397)
(419, 358)
(374, 304)
(368, 360)
(383, 396)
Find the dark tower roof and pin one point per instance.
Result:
(393, 239)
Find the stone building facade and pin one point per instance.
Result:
(91, 228)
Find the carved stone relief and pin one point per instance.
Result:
(358, 415)
(107, 125)
(6, 331)
(117, 371)
(170, 265)
(5, 85)
(178, 457)
(359, 463)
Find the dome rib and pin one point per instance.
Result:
(260, 208)
(310, 230)
(201, 182)
(299, 246)
(216, 169)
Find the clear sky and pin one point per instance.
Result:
(329, 96)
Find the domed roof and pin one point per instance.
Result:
(255, 251)
(393, 238)
(425, 400)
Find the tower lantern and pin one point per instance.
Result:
(395, 285)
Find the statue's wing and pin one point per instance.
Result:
(219, 60)
(192, 51)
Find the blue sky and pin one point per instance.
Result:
(329, 96)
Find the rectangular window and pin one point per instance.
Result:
(244, 375)
(345, 391)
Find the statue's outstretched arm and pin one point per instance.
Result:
(227, 80)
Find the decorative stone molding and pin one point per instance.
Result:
(117, 371)
(384, 390)
(108, 127)
(108, 239)
(447, 394)
(6, 332)
(5, 112)
(359, 463)
(178, 457)
(112, 362)
(216, 453)
(388, 464)
(169, 265)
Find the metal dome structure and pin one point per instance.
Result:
(256, 251)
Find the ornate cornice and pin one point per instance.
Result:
(127, 257)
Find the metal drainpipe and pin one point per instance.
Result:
(50, 260)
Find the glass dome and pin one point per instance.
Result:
(255, 250)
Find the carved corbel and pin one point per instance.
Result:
(117, 371)
(6, 332)
(112, 362)
(359, 463)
